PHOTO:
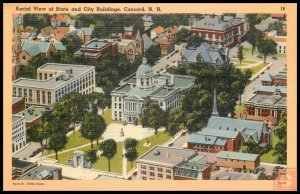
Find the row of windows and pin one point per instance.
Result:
(17, 147)
(120, 99)
(159, 169)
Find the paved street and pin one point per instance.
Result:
(163, 64)
(274, 68)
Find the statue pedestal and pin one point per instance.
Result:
(147, 144)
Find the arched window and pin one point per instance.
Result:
(130, 52)
(24, 58)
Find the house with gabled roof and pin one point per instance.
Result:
(157, 32)
(205, 53)
(31, 49)
(228, 134)
(134, 48)
(60, 20)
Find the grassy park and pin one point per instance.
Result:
(268, 157)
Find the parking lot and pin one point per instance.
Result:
(222, 174)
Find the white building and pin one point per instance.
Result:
(53, 81)
(280, 40)
(134, 90)
(18, 133)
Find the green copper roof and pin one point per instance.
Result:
(142, 92)
(237, 156)
(272, 89)
(267, 77)
(32, 113)
(163, 92)
(144, 69)
(34, 48)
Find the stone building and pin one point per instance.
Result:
(135, 48)
(134, 90)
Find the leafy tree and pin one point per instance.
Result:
(267, 47)
(240, 55)
(38, 21)
(252, 20)
(254, 36)
(91, 156)
(182, 36)
(109, 150)
(152, 116)
(262, 176)
(194, 41)
(153, 54)
(176, 121)
(280, 149)
(26, 72)
(251, 147)
(130, 143)
(131, 155)
(73, 43)
(36, 133)
(278, 27)
(75, 105)
(93, 126)
(57, 142)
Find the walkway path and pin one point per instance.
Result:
(124, 163)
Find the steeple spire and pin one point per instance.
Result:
(138, 35)
(215, 111)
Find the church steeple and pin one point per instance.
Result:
(138, 35)
(215, 111)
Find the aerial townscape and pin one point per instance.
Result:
(149, 97)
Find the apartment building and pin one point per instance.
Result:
(53, 81)
(18, 133)
(168, 163)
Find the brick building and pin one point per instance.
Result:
(237, 160)
(24, 170)
(128, 33)
(166, 45)
(218, 32)
(33, 115)
(18, 104)
(172, 163)
(97, 48)
(228, 134)
(269, 100)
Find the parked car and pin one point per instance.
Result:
(277, 167)
(34, 153)
(171, 144)
(262, 72)
(259, 56)
(274, 58)
(268, 68)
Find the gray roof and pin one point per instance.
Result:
(224, 127)
(52, 82)
(33, 112)
(237, 156)
(17, 163)
(268, 100)
(16, 99)
(147, 42)
(34, 48)
(267, 77)
(96, 43)
(41, 172)
(86, 31)
(16, 118)
(215, 23)
(192, 167)
(209, 54)
(264, 24)
(167, 155)
(271, 89)
(159, 89)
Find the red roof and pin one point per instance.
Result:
(60, 17)
(162, 41)
(277, 15)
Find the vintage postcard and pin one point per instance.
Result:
(150, 97)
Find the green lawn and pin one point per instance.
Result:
(268, 157)
(115, 163)
(107, 117)
(158, 139)
(102, 163)
(120, 47)
(257, 68)
(249, 51)
(280, 55)
(63, 157)
(74, 140)
(247, 62)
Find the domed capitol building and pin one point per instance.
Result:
(136, 89)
